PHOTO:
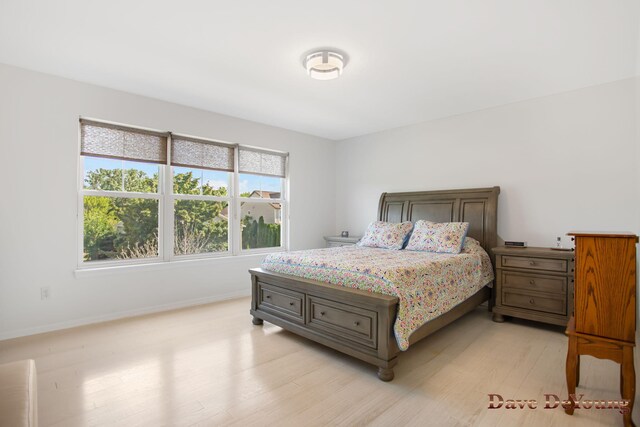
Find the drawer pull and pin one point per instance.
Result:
(532, 263)
(532, 302)
(322, 313)
(268, 296)
(291, 303)
(356, 323)
(532, 282)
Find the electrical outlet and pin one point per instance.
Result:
(45, 293)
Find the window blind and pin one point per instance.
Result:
(120, 142)
(201, 154)
(262, 162)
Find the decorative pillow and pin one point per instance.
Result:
(445, 237)
(387, 235)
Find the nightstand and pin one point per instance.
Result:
(335, 241)
(534, 283)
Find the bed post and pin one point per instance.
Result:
(380, 207)
(254, 300)
(492, 225)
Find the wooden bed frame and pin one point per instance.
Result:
(360, 323)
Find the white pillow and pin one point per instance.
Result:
(445, 237)
(387, 235)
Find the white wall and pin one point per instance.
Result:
(38, 174)
(564, 162)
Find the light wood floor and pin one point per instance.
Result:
(209, 365)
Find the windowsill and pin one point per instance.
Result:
(91, 271)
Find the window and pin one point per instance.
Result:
(261, 180)
(150, 196)
(201, 181)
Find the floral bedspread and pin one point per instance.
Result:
(427, 284)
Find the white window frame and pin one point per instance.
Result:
(283, 223)
(82, 193)
(166, 208)
(171, 199)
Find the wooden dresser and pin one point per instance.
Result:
(604, 322)
(533, 283)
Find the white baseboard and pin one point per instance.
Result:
(119, 315)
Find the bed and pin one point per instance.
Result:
(364, 323)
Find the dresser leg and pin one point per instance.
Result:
(577, 370)
(628, 380)
(571, 371)
(385, 374)
(257, 321)
(621, 381)
(497, 317)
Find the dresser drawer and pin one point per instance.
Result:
(284, 301)
(533, 263)
(535, 282)
(342, 320)
(533, 301)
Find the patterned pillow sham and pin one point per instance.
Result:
(445, 237)
(386, 235)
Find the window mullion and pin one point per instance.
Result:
(285, 207)
(80, 212)
(168, 205)
(121, 194)
(201, 198)
(235, 229)
(261, 200)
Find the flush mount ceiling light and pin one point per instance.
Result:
(324, 64)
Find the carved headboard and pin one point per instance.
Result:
(477, 206)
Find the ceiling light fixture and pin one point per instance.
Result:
(324, 64)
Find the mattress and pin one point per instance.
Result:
(427, 284)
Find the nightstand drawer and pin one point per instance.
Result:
(534, 282)
(338, 244)
(337, 241)
(532, 263)
(533, 301)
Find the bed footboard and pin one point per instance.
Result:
(354, 322)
